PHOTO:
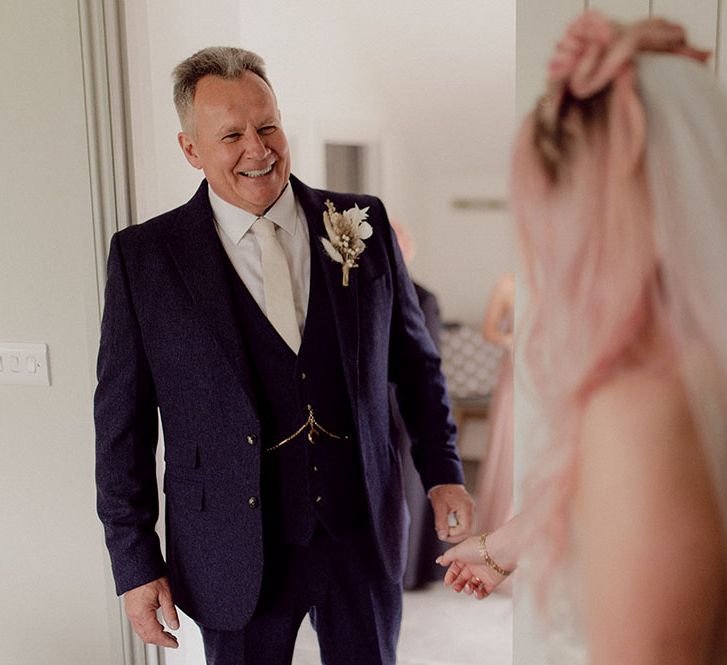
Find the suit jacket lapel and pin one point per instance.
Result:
(344, 300)
(199, 256)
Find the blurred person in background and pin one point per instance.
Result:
(493, 496)
(424, 545)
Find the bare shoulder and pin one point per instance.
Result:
(640, 406)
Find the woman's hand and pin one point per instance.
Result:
(478, 580)
(468, 571)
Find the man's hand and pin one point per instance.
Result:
(141, 605)
(453, 499)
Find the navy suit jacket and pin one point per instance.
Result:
(170, 342)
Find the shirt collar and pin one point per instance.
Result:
(236, 222)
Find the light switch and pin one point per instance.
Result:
(22, 363)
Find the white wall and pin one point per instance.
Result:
(53, 603)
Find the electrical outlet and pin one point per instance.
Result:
(25, 364)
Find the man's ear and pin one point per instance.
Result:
(187, 144)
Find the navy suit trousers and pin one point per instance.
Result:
(354, 607)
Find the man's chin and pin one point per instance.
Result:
(261, 197)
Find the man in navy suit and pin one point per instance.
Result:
(229, 318)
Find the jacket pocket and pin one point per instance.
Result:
(184, 492)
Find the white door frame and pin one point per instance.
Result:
(104, 80)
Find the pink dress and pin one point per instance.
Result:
(493, 496)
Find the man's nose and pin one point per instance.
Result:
(255, 147)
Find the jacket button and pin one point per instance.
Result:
(318, 499)
(303, 376)
(251, 439)
(253, 502)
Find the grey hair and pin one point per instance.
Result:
(224, 61)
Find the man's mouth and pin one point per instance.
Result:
(257, 174)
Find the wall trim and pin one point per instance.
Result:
(102, 36)
(106, 121)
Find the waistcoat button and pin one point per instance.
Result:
(251, 439)
(253, 502)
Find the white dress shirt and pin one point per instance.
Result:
(234, 227)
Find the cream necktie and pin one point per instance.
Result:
(277, 286)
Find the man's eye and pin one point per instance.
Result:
(231, 137)
(268, 129)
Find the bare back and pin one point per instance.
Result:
(649, 537)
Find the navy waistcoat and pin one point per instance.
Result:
(303, 483)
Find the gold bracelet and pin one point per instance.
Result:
(488, 559)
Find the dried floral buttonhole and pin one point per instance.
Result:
(346, 231)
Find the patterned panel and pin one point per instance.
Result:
(470, 364)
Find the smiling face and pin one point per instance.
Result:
(236, 138)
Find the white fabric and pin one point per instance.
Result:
(277, 287)
(686, 112)
(233, 225)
